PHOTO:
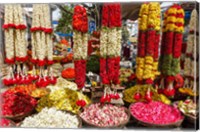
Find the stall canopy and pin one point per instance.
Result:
(130, 10)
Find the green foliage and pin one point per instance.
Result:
(65, 21)
(93, 64)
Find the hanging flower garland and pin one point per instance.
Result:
(42, 45)
(15, 45)
(189, 63)
(143, 16)
(148, 43)
(80, 38)
(103, 45)
(172, 44)
(110, 49)
(147, 54)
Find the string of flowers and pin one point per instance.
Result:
(143, 16)
(80, 38)
(171, 46)
(189, 63)
(148, 43)
(15, 45)
(110, 49)
(42, 45)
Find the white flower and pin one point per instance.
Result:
(51, 118)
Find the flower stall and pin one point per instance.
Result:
(83, 69)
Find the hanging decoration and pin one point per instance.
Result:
(191, 52)
(171, 48)
(15, 45)
(42, 45)
(80, 38)
(147, 53)
(110, 49)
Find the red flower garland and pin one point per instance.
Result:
(10, 61)
(169, 43)
(103, 71)
(151, 34)
(80, 20)
(80, 70)
(11, 25)
(109, 68)
(42, 29)
(105, 15)
(156, 46)
(141, 44)
(21, 59)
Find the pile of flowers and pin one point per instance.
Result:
(38, 93)
(141, 93)
(155, 112)
(14, 104)
(25, 89)
(62, 83)
(171, 47)
(63, 99)
(68, 73)
(107, 115)
(51, 118)
(80, 37)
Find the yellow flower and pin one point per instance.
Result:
(180, 20)
(172, 10)
(170, 27)
(145, 9)
(179, 29)
(171, 19)
(180, 11)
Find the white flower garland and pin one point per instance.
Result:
(118, 43)
(42, 42)
(9, 33)
(103, 42)
(80, 45)
(189, 63)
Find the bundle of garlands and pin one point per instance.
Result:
(147, 55)
(15, 46)
(80, 38)
(171, 48)
(42, 45)
(191, 53)
(110, 49)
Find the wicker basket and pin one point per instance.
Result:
(152, 125)
(116, 126)
(191, 119)
(19, 116)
